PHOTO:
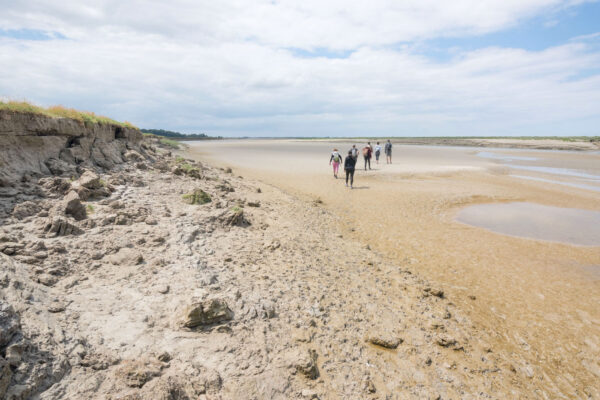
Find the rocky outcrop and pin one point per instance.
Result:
(206, 313)
(33, 144)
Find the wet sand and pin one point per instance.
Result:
(540, 300)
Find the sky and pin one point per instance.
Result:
(312, 68)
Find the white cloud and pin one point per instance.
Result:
(225, 67)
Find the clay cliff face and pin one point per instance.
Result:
(33, 144)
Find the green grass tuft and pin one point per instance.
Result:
(198, 196)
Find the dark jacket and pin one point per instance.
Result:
(349, 163)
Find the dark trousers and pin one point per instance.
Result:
(367, 161)
(350, 174)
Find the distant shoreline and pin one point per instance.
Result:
(578, 143)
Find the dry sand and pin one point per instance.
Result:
(537, 301)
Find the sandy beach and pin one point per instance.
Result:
(537, 300)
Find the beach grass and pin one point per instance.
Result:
(86, 117)
(170, 143)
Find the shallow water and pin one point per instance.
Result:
(556, 171)
(571, 184)
(536, 221)
(504, 157)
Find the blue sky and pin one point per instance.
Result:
(305, 68)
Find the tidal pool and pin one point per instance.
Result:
(536, 221)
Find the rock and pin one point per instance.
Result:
(385, 340)
(60, 226)
(254, 204)
(163, 289)
(56, 307)
(5, 377)
(132, 155)
(11, 248)
(164, 357)
(309, 394)
(370, 386)
(448, 342)
(136, 373)
(72, 206)
(90, 180)
(151, 221)
(125, 256)
(116, 205)
(9, 323)
(433, 292)
(55, 185)
(14, 353)
(25, 209)
(305, 362)
(60, 167)
(274, 245)
(198, 196)
(234, 217)
(207, 312)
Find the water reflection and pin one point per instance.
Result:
(536, 221)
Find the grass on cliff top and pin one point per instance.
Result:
(170, 143)
(86, 117)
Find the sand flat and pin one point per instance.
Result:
(534, 296)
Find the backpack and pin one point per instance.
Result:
(336, 157)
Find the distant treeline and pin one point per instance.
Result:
(179, 135)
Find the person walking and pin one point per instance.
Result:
(354, 152)
(377, 152)
(349, 165)
(335, 160)
(367, 152)
(388, 151)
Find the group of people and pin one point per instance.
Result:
(352, 157)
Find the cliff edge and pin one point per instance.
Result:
(35, 144)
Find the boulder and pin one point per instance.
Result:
(25, 209)
(60, 226)
(207, 312)
(9, 323)
(135, 373)
(125, 256)
(73, 207)
(60, 167)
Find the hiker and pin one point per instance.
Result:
(354, 152)
(367, 152)
(388, 151)
(377, 152)
(349, 164)
(336, 160)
